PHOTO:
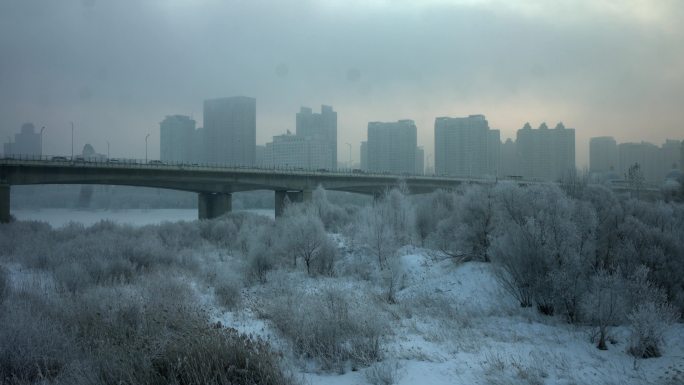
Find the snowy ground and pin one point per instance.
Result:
(135, 217)
(485, 338)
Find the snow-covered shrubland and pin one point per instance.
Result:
(496, 284)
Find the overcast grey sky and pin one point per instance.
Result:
(116, 68)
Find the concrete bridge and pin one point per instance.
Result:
(213, 184)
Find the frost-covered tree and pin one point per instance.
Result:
(302, 235)
(467, 234)
(400, 214)
(430, 211)
(376, 233)
(333, 216)
(635, 178)
(605, 304)
(538, 242)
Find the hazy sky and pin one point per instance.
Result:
(116, 68)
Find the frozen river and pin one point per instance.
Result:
(136, 217)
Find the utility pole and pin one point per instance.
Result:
(72, 140)
(107, 150)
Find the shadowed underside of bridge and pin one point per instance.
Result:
(213, 186)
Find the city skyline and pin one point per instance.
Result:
(603, 70)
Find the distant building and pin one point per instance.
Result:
(647, 155)
(26, 142)
(420, 161)
(509, 159)
(320, 127)
(603, 155)
(198, 153)
(176, 139)
(392, 146)
(671, 153)
(545, 154)
(89, 152)
(494, 153)
(462, 146)
(297, 152)
(260, 155)
(364, 156)
(230, 130)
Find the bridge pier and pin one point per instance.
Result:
(292, 197)
(4, 203)
(213, 205)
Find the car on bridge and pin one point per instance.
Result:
(156, 162)
(113, 160)
(59, 158)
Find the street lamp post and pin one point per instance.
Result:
(41, 141)
(108, 150)
(72, 140)
(350, 163)
(146, 136)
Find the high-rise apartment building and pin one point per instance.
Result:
(494, 153)
(392, 146)
(603, 155)
(462, 146)
(230, 130)
(176, 136)
(26, 142)
(546, 154)
(321, 127)
(297, 152)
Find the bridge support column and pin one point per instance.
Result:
(213, 205)
(307, 195)
(4, 203)
(292, 197)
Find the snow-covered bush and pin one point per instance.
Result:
(260, 261)
(383, 373)
(227, 287)
(329, 327)
(650, 316)
(648, 323)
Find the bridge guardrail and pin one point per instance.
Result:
(203, 166)
(153, 163)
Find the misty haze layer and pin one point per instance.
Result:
(117, 68)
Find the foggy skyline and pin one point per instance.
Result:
(116, 69)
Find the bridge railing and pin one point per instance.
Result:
(131, 162)
(103, 161)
